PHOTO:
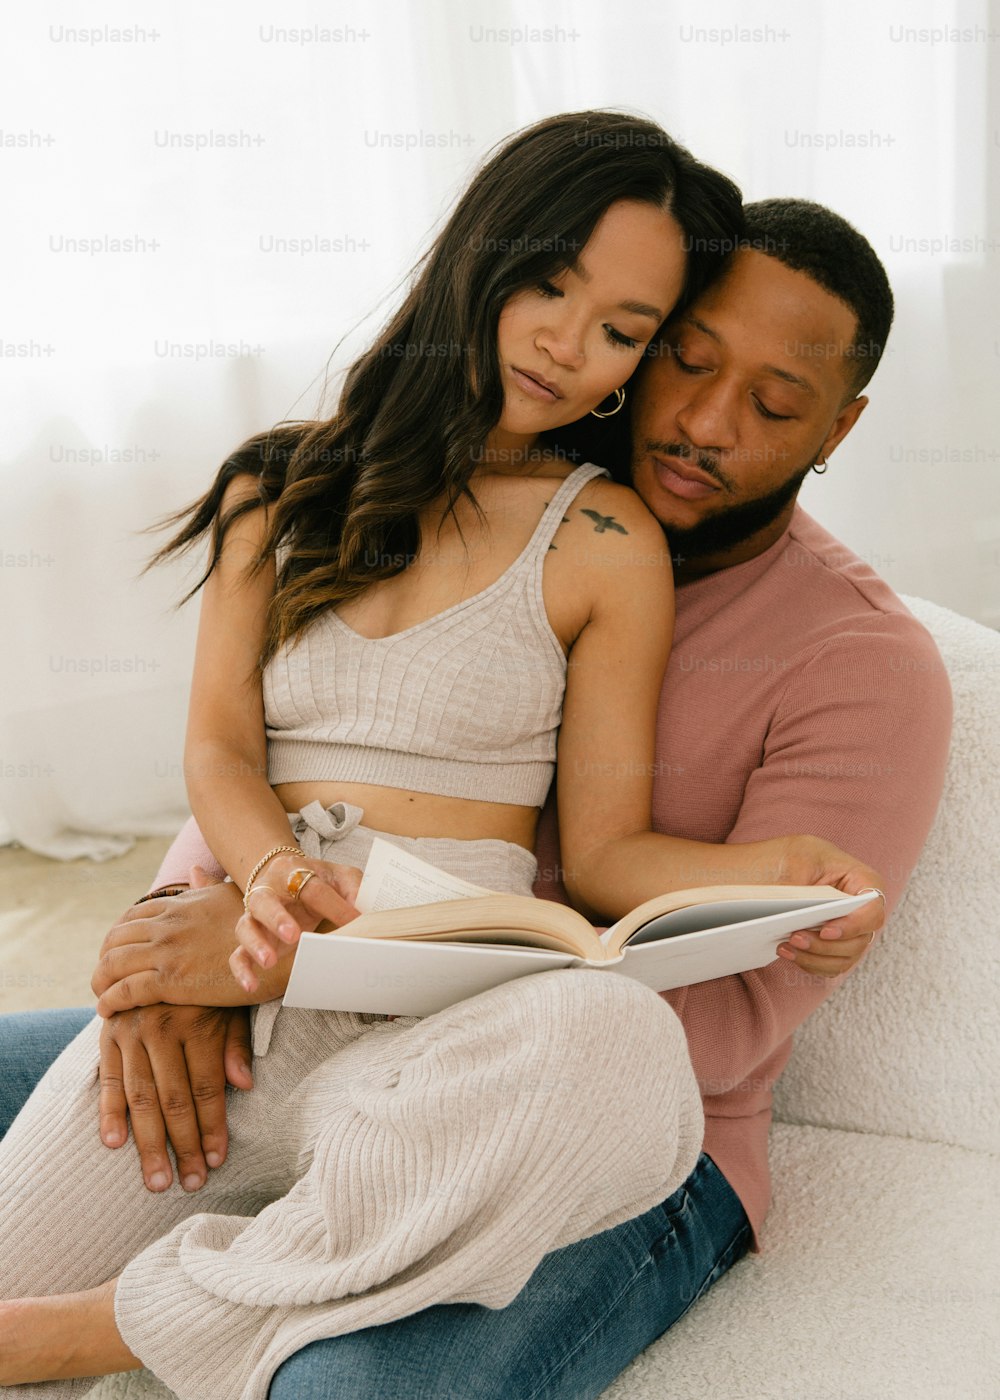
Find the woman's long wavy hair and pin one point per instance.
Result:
(416, 409)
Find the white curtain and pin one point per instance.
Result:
(208, 210)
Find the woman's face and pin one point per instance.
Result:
(566, 345)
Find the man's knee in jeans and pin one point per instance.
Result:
(408, 1361)
(31, 1041)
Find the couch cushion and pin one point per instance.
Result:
(881, 1281)
(910, 1042)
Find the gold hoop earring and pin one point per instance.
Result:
(618, 406)
(820, 462)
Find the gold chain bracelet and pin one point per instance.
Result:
(292, 850)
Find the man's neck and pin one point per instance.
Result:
(690, 570)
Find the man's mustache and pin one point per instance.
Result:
(686, 453)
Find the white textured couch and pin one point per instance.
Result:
(881, 1277)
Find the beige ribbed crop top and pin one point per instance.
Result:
(466, 704)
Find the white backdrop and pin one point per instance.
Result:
(154, 158)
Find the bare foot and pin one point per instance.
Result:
(62, 1337)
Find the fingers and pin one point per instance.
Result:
(267, 924)
(177, 1114)
(823, 957)
(868, 919)
(257, 947)
(180, 956)
(332, 895)
(238, 1050)
(168, 1069)
(121, 960)
(272, 924)
(852, 877)
(112, 1106)
(143, 989)
(242, 967)
(129, 927)
(148, 1127)
(205, 1054)
(857, 925)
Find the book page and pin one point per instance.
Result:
(742, 902)
(702, 954)
(397, 879)
(704, 916)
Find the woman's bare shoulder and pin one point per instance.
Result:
(612, 509)
(612, 555)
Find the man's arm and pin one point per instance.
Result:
(188, 849)
(856, 754)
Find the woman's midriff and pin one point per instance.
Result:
(404, 813)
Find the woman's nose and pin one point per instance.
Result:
(564, 342)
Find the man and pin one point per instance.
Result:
(801, 697)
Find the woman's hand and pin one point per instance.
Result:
(835, 947)
(275, 918)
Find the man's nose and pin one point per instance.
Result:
(708, 419)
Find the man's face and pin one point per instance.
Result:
(751, 385)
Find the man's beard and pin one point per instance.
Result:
(719, 533)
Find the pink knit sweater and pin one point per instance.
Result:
(801, 697)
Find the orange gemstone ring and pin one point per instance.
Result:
(297, 881)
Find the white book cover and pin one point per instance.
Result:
(336, 972)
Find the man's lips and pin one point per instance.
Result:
(538, 388)
(679, 477)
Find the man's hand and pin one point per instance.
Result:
(177, 949)
(836, 946)
(167, 1067)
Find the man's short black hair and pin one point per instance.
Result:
(810, 238)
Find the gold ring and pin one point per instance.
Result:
(298, 880)
(254, 889)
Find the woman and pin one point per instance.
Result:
(347, 542)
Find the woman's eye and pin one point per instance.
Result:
(617, 338)
(766, 413)
(625, 342)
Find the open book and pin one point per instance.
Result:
(426, 939)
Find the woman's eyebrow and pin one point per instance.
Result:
(642, 308)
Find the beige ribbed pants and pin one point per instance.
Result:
(376, 1168)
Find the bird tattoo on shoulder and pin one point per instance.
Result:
(603, 523)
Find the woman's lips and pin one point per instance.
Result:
(532, 387)
(690, 488)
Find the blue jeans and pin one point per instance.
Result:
(584, 1314)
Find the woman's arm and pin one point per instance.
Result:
(225, 752)
(225, 757)
(605, 767)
